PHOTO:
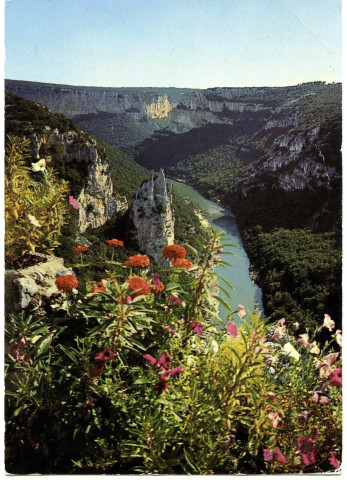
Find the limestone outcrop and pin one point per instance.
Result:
(152, 216)
(96, 200)
(33, 289)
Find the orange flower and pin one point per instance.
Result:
(80, 249)
(138, 285)
(174, 251)
(157, 288)
(180, 262)
(115, 242)
(66, 283)
(95, 288)
(137, 261)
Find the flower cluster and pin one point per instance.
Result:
(115, 243)
(173, 252)
(66, 283)
(164, 365)
(80, 249)
(138, 286)
(182, 263)
(137, 261)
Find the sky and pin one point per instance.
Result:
(179, 43)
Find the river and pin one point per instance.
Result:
(246, 292)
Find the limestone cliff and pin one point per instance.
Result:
(96, 199)
(74, 101)
(297, 160)
(152, 216)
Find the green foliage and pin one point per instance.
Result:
(81, 399)
(34, 203)
(24, 117)
(299, 272)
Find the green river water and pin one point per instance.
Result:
(246, 292)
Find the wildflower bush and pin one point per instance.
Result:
(140, 375)
(34, 203)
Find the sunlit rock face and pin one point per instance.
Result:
(74, 101)
(96, 200)
(152, 216)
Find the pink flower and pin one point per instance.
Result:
(275, 455)
(306, 448)
(275, 418)
(333, 460)
(220, 250)
(156, 279)
(128, 300)
(279, 332)
(280, 323)
(149, 359)
(232, 329)
(323, 399)
(197, 327)
(271, 394)
(175, 371)
(328, 322)
(73, 202)
(175, 300)
(241, 312)
(168, 329)
(336, 378)
(164, 361)
(304, 416)
(104, 357)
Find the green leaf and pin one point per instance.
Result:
(189, 460)
(225, 292)
(222, 302)
(227, 282)
(44, 343)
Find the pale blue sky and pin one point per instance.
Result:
(180, 43)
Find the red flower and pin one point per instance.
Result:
(157, 288)
(137, 261)
(80, 249)
(95, 288)
(115, 242)
(182, 263)
(107, 280)
(174, 251)
(66, 283)
(197, 327)
(138, 285)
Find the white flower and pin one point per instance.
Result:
(33, 220)
(241, 312)
(39, 166)
(338, 337)
(291, 351)
(214, 346)
(314, 348)
(296, 326)
(328, 322)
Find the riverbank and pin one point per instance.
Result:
(238, 274)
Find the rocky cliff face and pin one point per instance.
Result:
(152, 216)
(296, 161)
(96, 200)
(74, 101)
